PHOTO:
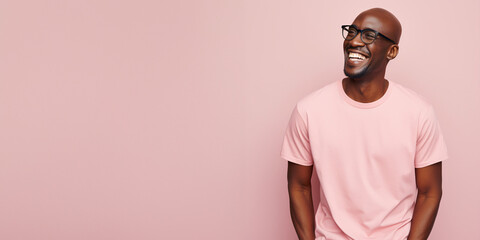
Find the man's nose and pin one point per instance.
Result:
(357, 41)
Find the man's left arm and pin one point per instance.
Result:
(429, 184)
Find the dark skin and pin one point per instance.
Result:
(365, 82)
(301, 203)
(429, 184)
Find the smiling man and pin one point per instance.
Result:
(376, 145)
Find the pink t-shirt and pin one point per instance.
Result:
(365, 155)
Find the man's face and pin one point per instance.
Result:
(374, 53)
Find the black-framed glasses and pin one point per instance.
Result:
(367, 35)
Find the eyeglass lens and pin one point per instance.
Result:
(367, 36)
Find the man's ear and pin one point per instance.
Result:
(392, 51)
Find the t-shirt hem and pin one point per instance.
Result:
(421, 165)
(296, 160)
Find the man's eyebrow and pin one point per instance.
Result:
(355, 26)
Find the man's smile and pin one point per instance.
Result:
(356, 57)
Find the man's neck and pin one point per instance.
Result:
(365, 89)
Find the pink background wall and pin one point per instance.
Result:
(164, 120)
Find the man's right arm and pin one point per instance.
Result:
(301, 203)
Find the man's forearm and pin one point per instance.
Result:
(424, 215)
(302, 212)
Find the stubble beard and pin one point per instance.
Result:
(356, 75)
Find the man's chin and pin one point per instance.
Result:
(354, 75)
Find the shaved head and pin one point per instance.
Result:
(369, 59)
(385, 20)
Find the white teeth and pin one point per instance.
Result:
(356, 55)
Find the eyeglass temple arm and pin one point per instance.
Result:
(387, 38)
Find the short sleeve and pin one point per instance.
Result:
(431, 147)
(296, 143)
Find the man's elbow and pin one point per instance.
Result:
(302, 187)
(432, 194)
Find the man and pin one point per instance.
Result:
(377, 147)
